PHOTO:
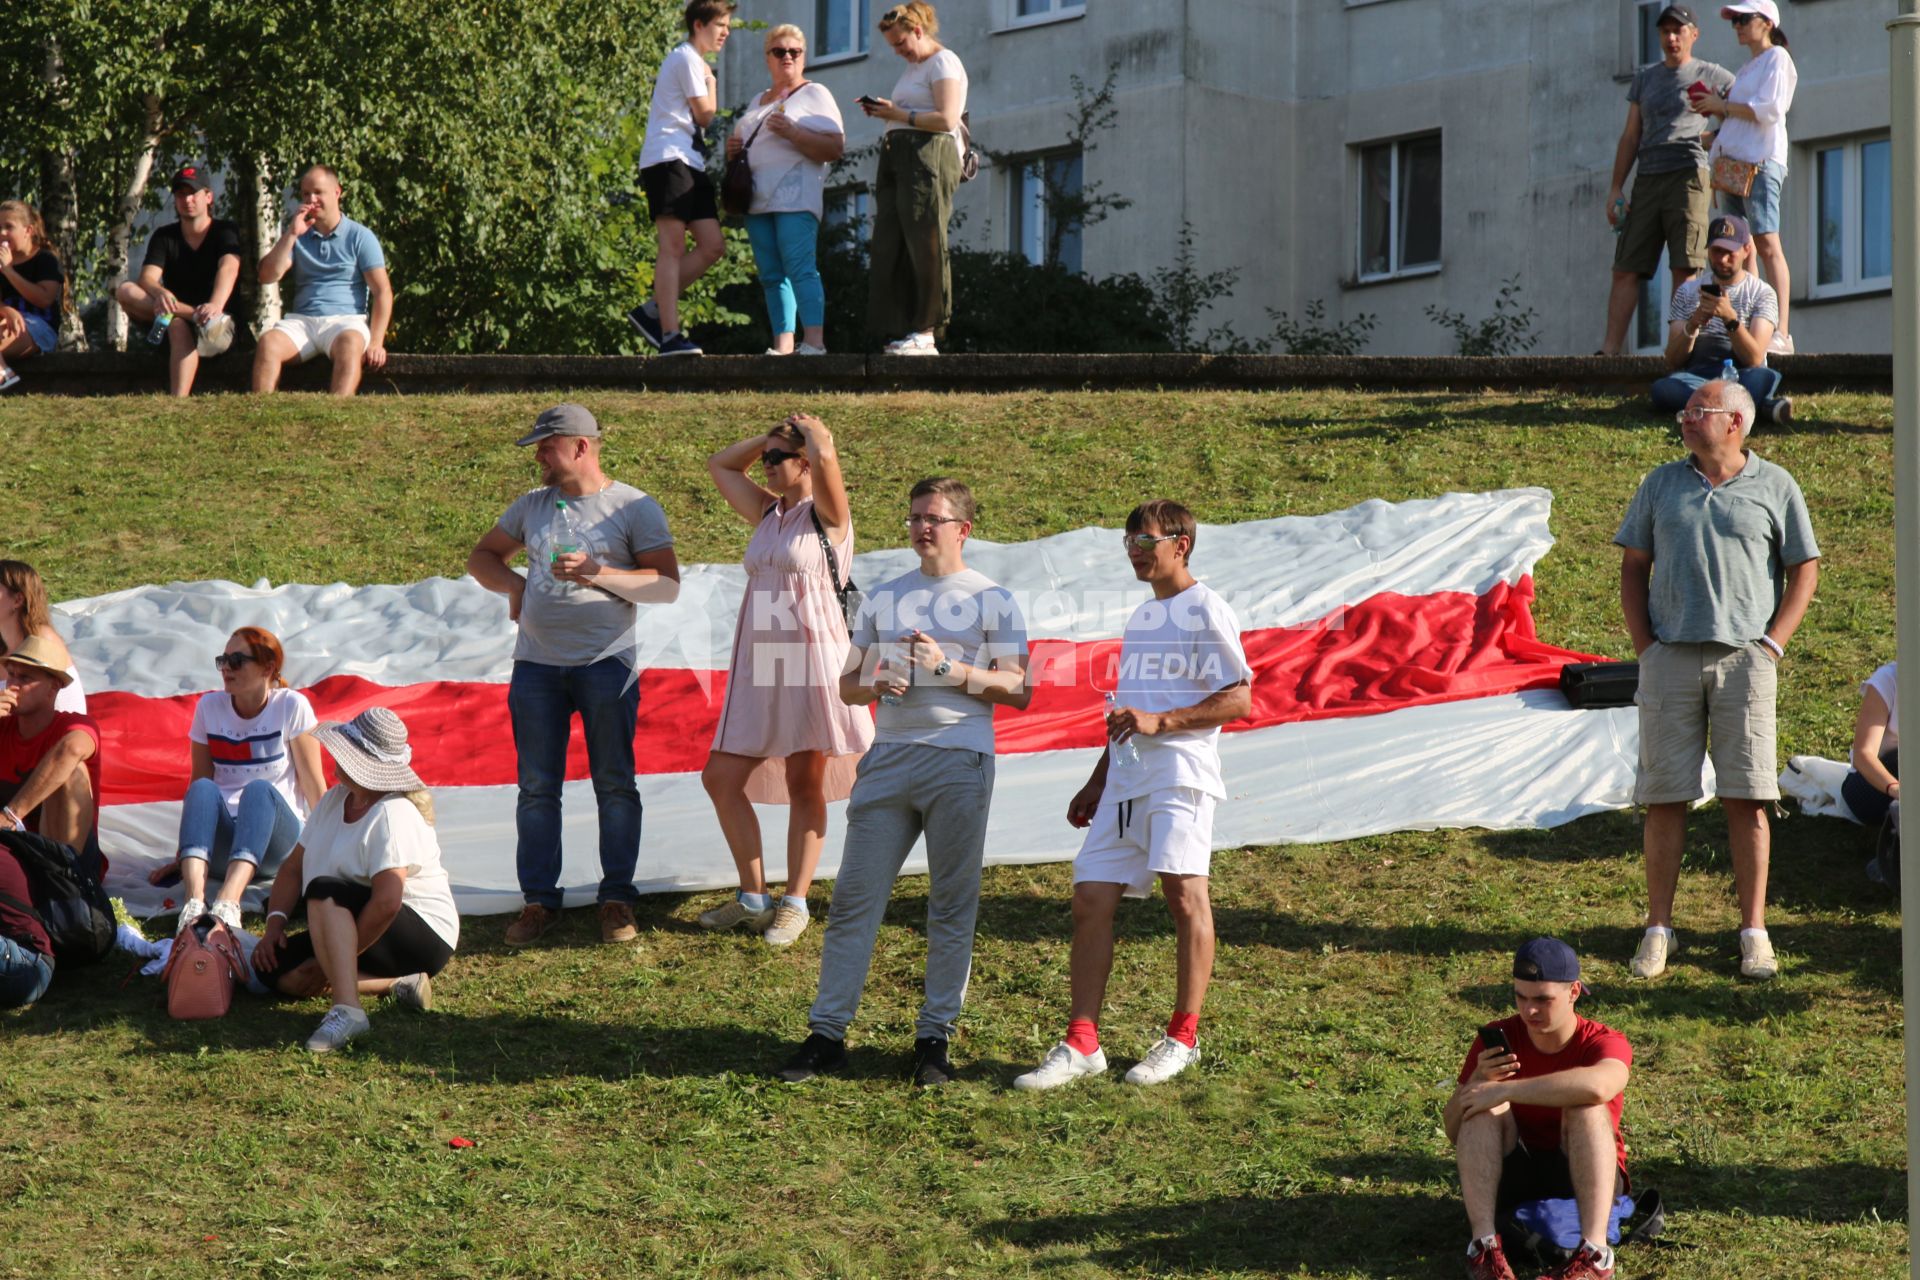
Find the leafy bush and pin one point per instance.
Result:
(1507, 332)
(1311, 335)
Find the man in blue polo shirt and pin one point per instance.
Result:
(339, 276)
(1717, 566)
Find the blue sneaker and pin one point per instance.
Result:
(648, 323)
(679, 344)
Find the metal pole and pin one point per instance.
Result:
(1904, 89)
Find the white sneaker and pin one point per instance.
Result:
(1062, 1065)
(415, 991)
(1756, 956)
(914, 344)
(227, 913)
(735, 914)
(1650, 961)
(772, 352)
(342, 1023)
(1781, 344)
(788, 924)
(1163, 1062)
(808, 349)
(194, 909)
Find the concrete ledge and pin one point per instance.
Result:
(113, 373)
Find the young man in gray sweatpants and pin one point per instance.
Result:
(939, 647)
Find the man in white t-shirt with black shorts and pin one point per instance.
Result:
(1148, 808)
(674, 175)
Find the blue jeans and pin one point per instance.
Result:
(263, 833)
(24, 974)
(1760, 206)
(1671, 393)
(542, 701)
(1869, 805)
(783, 254)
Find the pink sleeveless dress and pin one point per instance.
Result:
(783, 683)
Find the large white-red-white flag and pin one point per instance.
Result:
(1398, 685)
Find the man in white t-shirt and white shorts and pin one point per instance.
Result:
(1148, 808)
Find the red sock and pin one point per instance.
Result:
(1083, 1037)
(1184, 1027)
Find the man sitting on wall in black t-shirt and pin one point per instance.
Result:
(188, 276)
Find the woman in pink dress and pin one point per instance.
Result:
(785, 737)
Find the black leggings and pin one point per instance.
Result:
(408, 946)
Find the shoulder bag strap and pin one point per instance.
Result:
(833, 565)
(763, 119)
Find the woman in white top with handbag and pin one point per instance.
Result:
(1753, 137)
(909, 285)
(791, 133)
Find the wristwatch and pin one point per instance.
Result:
(945, 669)
(1733, 323)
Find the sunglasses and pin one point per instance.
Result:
(784, 54)
(774, 457)
(1147, 541)
(232, 661)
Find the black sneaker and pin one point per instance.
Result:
(930, 1066)
(679, 344)
(648, 323)
(818, 1055)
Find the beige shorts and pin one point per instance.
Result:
(1697, 699)
(315, 335)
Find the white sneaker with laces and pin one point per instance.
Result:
(1062, 1065)
(342, 1023)
(1781, 344)
(1163, 1062)
(1756, 956)
(1650, 961)
(788, 924)
(194, 909)
(227, 913)
(808, 349)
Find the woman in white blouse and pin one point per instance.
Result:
(1753, 129)
(795, 132)
(380, 912)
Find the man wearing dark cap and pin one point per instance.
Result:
(1665, 139)
(1729, 316)
(594, 548)
(1540, 1118)
(188, 276)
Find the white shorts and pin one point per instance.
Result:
(1169, 832)
(315, 335)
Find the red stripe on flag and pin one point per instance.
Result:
(1384, 654)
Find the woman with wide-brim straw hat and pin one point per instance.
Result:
(380, 913)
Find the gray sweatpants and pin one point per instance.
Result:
(902, 792)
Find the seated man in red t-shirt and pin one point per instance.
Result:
(1540, 1119)
(49, 760)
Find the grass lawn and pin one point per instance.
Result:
(618, 1098)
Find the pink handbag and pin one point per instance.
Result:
(202, 971)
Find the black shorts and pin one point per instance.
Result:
(1541, 1175)
(675, 189)
(408, 946)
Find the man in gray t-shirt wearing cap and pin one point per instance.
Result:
(1717, 566)
(594, 548)
(1665, 140)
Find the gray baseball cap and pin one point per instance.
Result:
(561, 420)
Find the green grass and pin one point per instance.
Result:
(617, 1096)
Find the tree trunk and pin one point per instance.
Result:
(60, 200)
(121, 233)
(256, 207)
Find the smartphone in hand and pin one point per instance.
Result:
(867, 100)
(1492, 1037)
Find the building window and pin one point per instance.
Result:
(1650, 318)
(840, 27)
(1031, 229)
(1646, 45)
(849, 220)
(1400, 207)
(1041, 10)
(1853, 217)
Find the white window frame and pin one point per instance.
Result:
(860, 22)
(1852, 189)
(1661, 286)
(1055, 11)
(1031, 225)
(1396, 270)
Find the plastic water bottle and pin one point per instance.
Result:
(1126, 754)
(1619, 215)
(895, 699)
(566, 531)
(1728, 373)
(158, 334)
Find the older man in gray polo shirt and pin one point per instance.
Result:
(1718, 564)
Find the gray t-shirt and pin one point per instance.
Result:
(569, 624)
(1752, 299)
(1670, 130)
(973, 620)
(1720, 553)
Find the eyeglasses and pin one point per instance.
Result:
(935, 521)
(1697, 415)
(784, 54)
(774, 457)
(1146, 541)
(232, 661)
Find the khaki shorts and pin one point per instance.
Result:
(1696, 698)
(1666, 211)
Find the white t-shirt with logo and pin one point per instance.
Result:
(248, 750)
(913, 91)
(1176, 653)
(393, 834)
(671, 132)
